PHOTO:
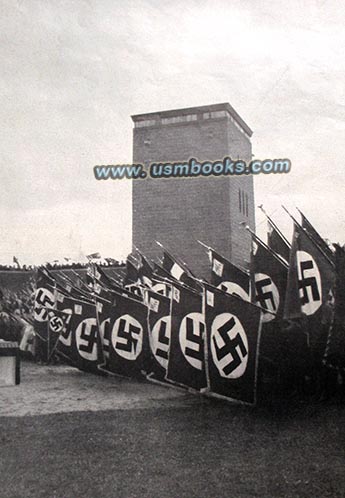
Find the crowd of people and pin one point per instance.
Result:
(16, 268)
(55, 265)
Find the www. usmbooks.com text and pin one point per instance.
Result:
(192, 168)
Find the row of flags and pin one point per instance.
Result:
(160, 321)
(197, 336)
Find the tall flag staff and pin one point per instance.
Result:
(262, 243)
(70, 286)
(145, 269)
(275, 226)
(179, 270)
(318, 240)
(270, 275)
(276, 239)
(178, 266)
(227, 276)
(80, 281)
(311, 238)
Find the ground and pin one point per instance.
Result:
(69, 434)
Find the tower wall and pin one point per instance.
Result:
(179, 211)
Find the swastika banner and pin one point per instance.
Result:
(233, 335)
(58, 324)
(270, 283)
(159, 331)
(128, 344)
(80, 343)
(310, 289)
(44, 300)
(270, 280)
(186, 364)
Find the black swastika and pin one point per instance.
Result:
(88, 334)
(65, 333)
(230, 347)
(225, 288)
(306, 282)
(197, 338)
(43, 299)
(131, 342)
(261, 296)
(56, 323)
(163, 339)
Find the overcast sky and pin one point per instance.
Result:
(73, 72)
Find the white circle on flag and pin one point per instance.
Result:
(160, 340)
(235, 289)
(127, 337)
(86, 339)
(43, 299)
(266, 295)
(309, 279)
(229, 346)
(191, 331)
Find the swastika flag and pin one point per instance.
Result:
(45, 298)
(58, 324)
(310, 288)
(186, 364)
(233, 335)
(270, 279)
(80, 343)
(270, 282)
(128, 339)
(159, 331)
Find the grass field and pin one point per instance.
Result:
(209, 450)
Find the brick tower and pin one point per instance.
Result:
(179, 211)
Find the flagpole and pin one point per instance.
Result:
(309, 237)
(172, 280)
(80, 280)
(84, 287)
(259, 241)
(142, 255)
(178, 260)
(204, 245)
(275, 226)
(131, 257)
(243, 270)
(303, 216)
